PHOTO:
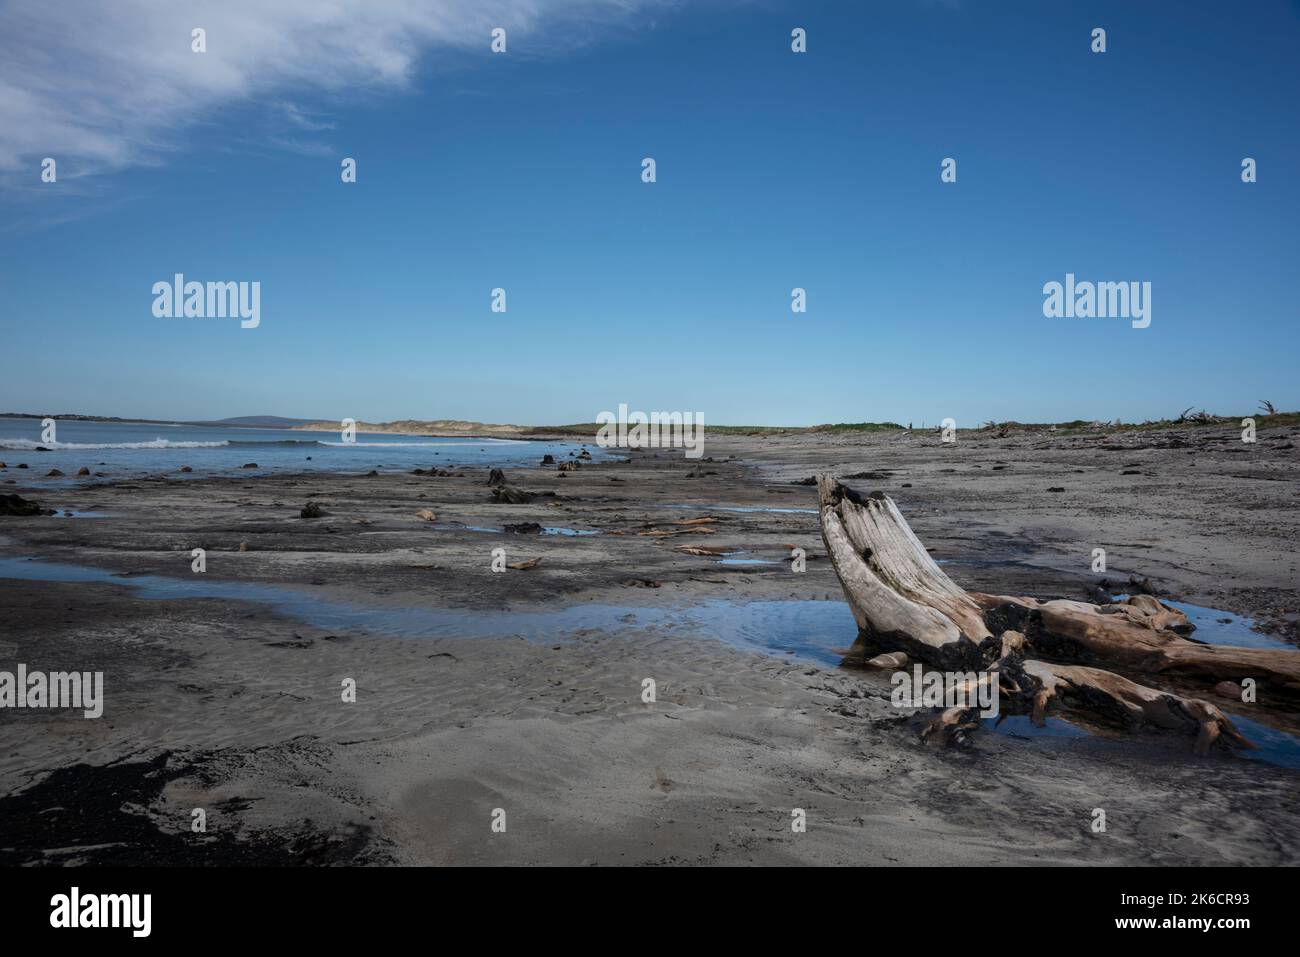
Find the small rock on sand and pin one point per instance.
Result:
(427, 514)
(1228, 689)
(250, 465)
(312, 510)
(53, 473)
(892, 659)
(83, 471)
(17, 505)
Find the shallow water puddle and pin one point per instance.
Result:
(800, 630)
(1020, 726)
(546, 530)
(740, 557)
(742, 508)
(807, 630)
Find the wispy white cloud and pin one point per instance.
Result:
(112, 85)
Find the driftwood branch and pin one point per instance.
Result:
(1046, 654)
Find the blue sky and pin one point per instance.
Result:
(775, 170)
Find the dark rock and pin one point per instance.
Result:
(250, 465)
(17, 505)
(511, 495)
(186, 468)
(1140, 586)
(53, 473)
(1056, 488)
(524, 528)
(83, 471)
(548, 459)
(312, 510)
(496, 477)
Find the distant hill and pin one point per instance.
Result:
(260, 422)
(437, 427)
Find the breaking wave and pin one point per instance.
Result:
(29, 445)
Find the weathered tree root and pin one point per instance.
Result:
(903, 601)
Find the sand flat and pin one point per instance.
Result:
(234, 706)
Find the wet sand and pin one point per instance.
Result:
(235, 707)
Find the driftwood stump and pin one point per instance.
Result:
(1052, 654)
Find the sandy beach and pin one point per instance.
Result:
(232, 704)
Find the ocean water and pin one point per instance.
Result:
(121, 448)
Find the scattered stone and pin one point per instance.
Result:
(250, 465)
(892, 659)
(186, 468)
(371, 474)
(53, 473)
(641, 583)
(548, 459)
(511, 495)
(496, 477)
(243, 546)
(524, 528)
(312, 510)
(83, 471)
(1140, 586)
(1057, 488)
(810, 480)
(524, 566)
(427, 514)
(22, 465)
